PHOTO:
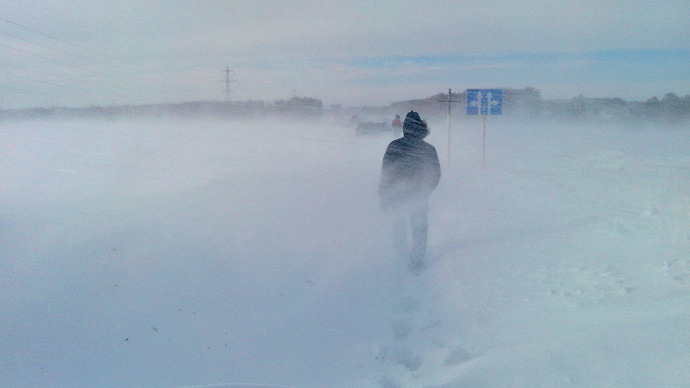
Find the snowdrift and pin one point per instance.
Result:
(253, 254)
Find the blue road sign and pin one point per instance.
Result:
(484, 101)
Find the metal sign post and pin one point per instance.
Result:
(449, 94)
(486, 102)
(484, 140)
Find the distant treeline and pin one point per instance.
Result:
(528, 102)
(297, 106)
(525, 102)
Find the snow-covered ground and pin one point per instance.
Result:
(253, 254)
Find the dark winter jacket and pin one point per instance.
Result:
(410, 171)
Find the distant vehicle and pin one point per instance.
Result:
(372, 128)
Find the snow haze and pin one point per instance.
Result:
(228, 252)
(199, 253)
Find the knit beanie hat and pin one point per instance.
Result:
(415, 126)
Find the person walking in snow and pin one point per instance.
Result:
(396, 122)
(397, 126)
(410, 172)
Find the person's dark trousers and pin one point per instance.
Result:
(412, 222)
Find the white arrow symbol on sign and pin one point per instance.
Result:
(491, 101)
(476, 102)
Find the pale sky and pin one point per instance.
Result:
(354, 53)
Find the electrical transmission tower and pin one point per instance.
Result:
(228, 81)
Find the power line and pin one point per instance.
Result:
(57, 39)
(83, 66)
(28, 52)
(24, 90)
(67, 68)
(46, 46)
(77, 67)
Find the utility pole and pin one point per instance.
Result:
(449, 101)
